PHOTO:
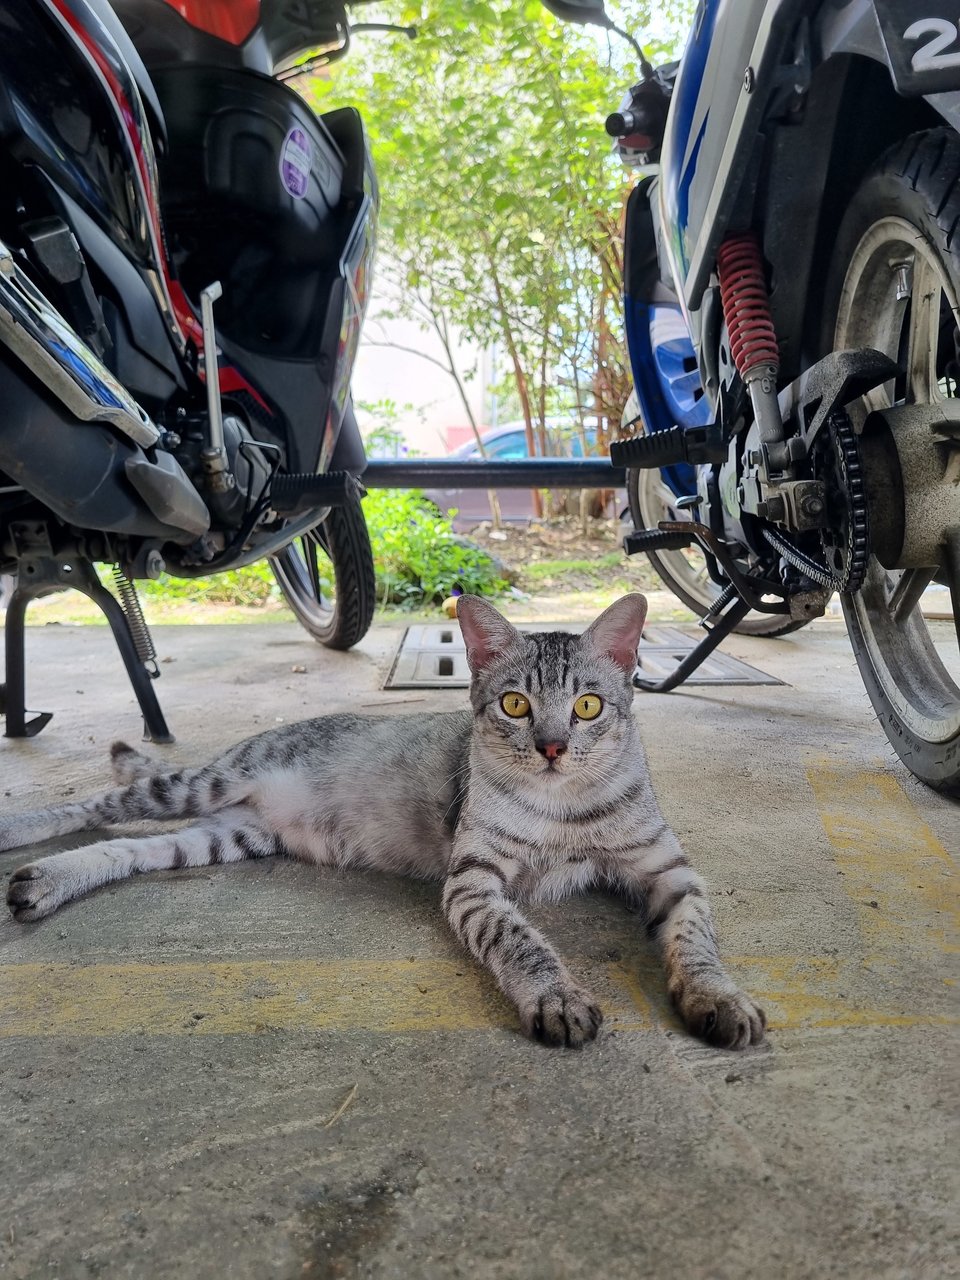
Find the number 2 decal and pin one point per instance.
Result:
(930, 56)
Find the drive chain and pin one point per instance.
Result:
(856, 549)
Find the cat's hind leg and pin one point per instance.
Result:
(155, 795)
(38, 888)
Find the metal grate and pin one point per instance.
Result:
(432, 656)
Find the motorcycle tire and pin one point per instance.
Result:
(327, 578)
(905, 211)
(685, 572)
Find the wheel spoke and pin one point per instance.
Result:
(318, 537)
(923, 332)
(310, 557)
(905, 592)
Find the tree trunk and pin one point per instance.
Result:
(443, 333)
(523, 390)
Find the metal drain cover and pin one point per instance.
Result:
(432, 656)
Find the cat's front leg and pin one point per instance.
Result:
(552, 1007)
(678, 917)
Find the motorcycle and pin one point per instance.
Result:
(185, 260)
(792, 281)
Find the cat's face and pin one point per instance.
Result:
(552, 706)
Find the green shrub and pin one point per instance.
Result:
(418, 557)
(254, 585)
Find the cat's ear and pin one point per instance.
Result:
(486, 633)
(618, 629)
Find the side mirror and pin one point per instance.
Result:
(583, 11)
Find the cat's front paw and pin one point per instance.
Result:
(724, 1017)
(564, 1015)
(35, 891)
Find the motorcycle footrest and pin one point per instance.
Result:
(292, 494)
(665, 448)
(654, 540)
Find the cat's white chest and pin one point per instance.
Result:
(563, 878)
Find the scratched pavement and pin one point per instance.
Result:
(266, 1070)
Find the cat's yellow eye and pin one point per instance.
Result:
(588, 706)
(515, 705)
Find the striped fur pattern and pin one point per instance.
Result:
(500, 808)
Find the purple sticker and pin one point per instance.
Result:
(295, 161)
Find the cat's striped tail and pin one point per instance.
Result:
(153, 793)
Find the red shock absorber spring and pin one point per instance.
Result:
(743, 294)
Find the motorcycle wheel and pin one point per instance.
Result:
(685, 571)
(327, 578)
(905, 212)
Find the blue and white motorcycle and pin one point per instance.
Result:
(792, 279)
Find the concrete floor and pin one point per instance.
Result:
(264, 1071)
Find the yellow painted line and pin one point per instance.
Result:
(819, 991)
(387, 996)
(894, 868)
(245, 997)
(236, 998)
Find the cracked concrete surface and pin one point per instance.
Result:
(267, 1071)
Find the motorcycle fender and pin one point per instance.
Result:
(348, 452)
(858, 28)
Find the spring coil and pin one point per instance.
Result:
(743, 294)
(142, 640)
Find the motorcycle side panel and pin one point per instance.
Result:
(725, 79)
(62, 121)
(260, 194)
(662, 360)
(142, 355)
(724, 86)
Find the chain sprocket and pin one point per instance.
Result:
(845, 544)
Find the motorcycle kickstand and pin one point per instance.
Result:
(47, 574)
(715, 634)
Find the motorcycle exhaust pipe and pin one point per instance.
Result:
(42, 340)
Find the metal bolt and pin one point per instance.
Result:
(811, 505)
(748, 80)
(904, 285)
(154, 564)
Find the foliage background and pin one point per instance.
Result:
(501, 218)
(502, 202)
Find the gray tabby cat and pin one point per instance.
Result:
(541, 790)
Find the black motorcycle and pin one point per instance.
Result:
(185, 259)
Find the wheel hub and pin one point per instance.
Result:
(911, 464)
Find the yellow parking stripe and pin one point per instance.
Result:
(893, 865)
(386, 996)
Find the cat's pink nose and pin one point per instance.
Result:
(552, 750)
